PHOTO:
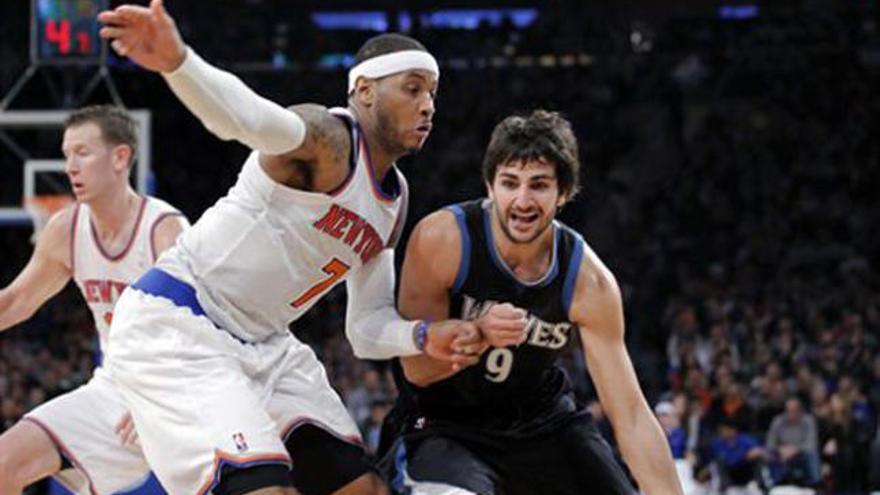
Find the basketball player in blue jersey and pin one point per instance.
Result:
(225, 399)
(509, 425)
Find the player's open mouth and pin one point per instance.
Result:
(519, 220)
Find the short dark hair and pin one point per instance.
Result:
(386, 43)
(541, 135)
(117, 126)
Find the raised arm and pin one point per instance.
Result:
(227, 107)
(45, 275)
(598, 310)
(224, 104)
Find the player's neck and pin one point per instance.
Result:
(112, 213)
(529, 260)
(381, 158)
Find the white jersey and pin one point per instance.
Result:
(265, 253)
(101, 276)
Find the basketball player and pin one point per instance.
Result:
(201, 344)
(509, 424)
(104, 241)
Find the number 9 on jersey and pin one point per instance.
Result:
(498, 364)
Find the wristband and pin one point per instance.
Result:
(422, 335)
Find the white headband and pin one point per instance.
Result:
(392, 63)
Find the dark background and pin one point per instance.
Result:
(730, 170)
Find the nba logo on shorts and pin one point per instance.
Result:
(240, 442)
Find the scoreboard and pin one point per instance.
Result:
(66, 31)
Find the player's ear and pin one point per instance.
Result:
(365, 91)
(121, 157)
(567, 195)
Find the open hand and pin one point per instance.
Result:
(146, 35)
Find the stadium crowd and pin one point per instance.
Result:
(731, 168)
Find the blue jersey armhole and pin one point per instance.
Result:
(465, 262)
(574, 267)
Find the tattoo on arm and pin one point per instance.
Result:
(327, 138)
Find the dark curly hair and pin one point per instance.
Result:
(541, 135)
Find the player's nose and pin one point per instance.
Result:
(426, 107)
(523, 199)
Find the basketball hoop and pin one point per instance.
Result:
(42, 206)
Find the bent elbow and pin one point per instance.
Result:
(361, 353)
(353, 340)
(361, 347)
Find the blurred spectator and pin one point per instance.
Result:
(9, 413)
(846, 447)
(874, 472)
(367, 391)
(732, 405)
(803, 382)
(874, 387)
(700, 434)
(792, 443)
(738, 457)
(670, 420)
(373, 425)
(731, 175)
(770, 397)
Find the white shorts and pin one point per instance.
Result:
(81, 424)
(201, 399)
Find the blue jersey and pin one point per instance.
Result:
(515, 390)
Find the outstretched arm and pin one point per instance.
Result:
(224, 104)
(45, 275)
(598, 310)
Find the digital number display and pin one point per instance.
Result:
(66, 31)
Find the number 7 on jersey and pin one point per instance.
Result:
(335, 269)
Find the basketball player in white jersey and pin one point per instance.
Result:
(201, 342)
(104, 241)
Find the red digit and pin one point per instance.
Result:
(59, 34)
(85, 42)
(336, 269)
